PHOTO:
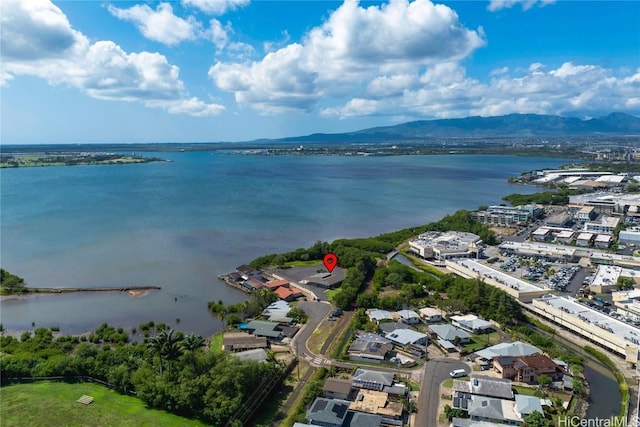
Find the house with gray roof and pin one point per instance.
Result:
(261, 328)
(526, 405)
(449, 333)
(472, 323)
(369, 351)
(493, 410)
(514, 349)
(372, 380)
(328, 412)
(256, 355)
(377, 315)
(480, 385)
(404, 337)
(362, 419)
(387, 327)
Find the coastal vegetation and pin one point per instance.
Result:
(11, 284)
(360, 257)
(168, 370)
(70, 159)
(559, 197)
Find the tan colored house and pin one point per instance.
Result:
(526, 369)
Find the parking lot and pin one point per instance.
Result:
(560, 276)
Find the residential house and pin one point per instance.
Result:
(431, 314)
(361, 419)
(328, 412)
(526, 405)
(369, 351)
(517, 348)
(256, 355)
(377, 315)
(446, 332)
(377, 403)
(387, 327)
(337, 388)
(372, 380)
(247, 272)
(472, 323)
(405, 337)
(409, 317)
(527, 368)
(493, 410)
(262, 328)
(480, 385)
(241, 341)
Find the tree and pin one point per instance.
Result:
(536, 419)
(166, 345)
(544, 380)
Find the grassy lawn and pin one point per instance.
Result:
(54, 404)
(215, 345)
(304, 263)
(331, 292)
(478, 342)
(526, 391)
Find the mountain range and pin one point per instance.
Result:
(511, 125)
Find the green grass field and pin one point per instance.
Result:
(54, 404)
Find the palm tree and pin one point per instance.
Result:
(166, 345)
(190, 344)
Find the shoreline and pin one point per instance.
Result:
(133, 291)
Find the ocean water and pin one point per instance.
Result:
(180, 224)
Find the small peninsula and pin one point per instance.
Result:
(71, 159)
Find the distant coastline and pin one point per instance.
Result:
(71, 159)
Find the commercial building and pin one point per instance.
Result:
(519, 289)
(606, 224)
(629, 237)
(446, 245)
(507, 216)
(605, 278)
(612, 334)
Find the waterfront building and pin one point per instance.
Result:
(507, 216)
(446, 245)
(614, 335)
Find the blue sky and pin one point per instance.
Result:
(234, 70)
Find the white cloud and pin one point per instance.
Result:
(568, 88)
(495, 5)
(160, 25)
(216, 7)
(356, 45)
(61, 55)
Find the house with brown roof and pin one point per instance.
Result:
(337, 388)
(526, 369)
(241, 341)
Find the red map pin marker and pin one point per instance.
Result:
(330, 262)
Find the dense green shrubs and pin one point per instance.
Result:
(172, 372)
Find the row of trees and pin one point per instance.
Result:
(172, 371)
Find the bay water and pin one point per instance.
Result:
(180, 224)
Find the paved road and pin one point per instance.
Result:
(436, 371)
(317, 311)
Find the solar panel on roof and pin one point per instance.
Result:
(320, 405)
(340, 410)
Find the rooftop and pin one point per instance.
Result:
(485, 386)
(406, 336)
(330, 411)
(369, 375)
(517, 348)
(376, 402)
(525, 405)
(448, 332)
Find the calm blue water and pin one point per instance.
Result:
(180, 224)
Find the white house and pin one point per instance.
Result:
(431, 314)
(409, 317)
(471, 323)
(405, 337)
